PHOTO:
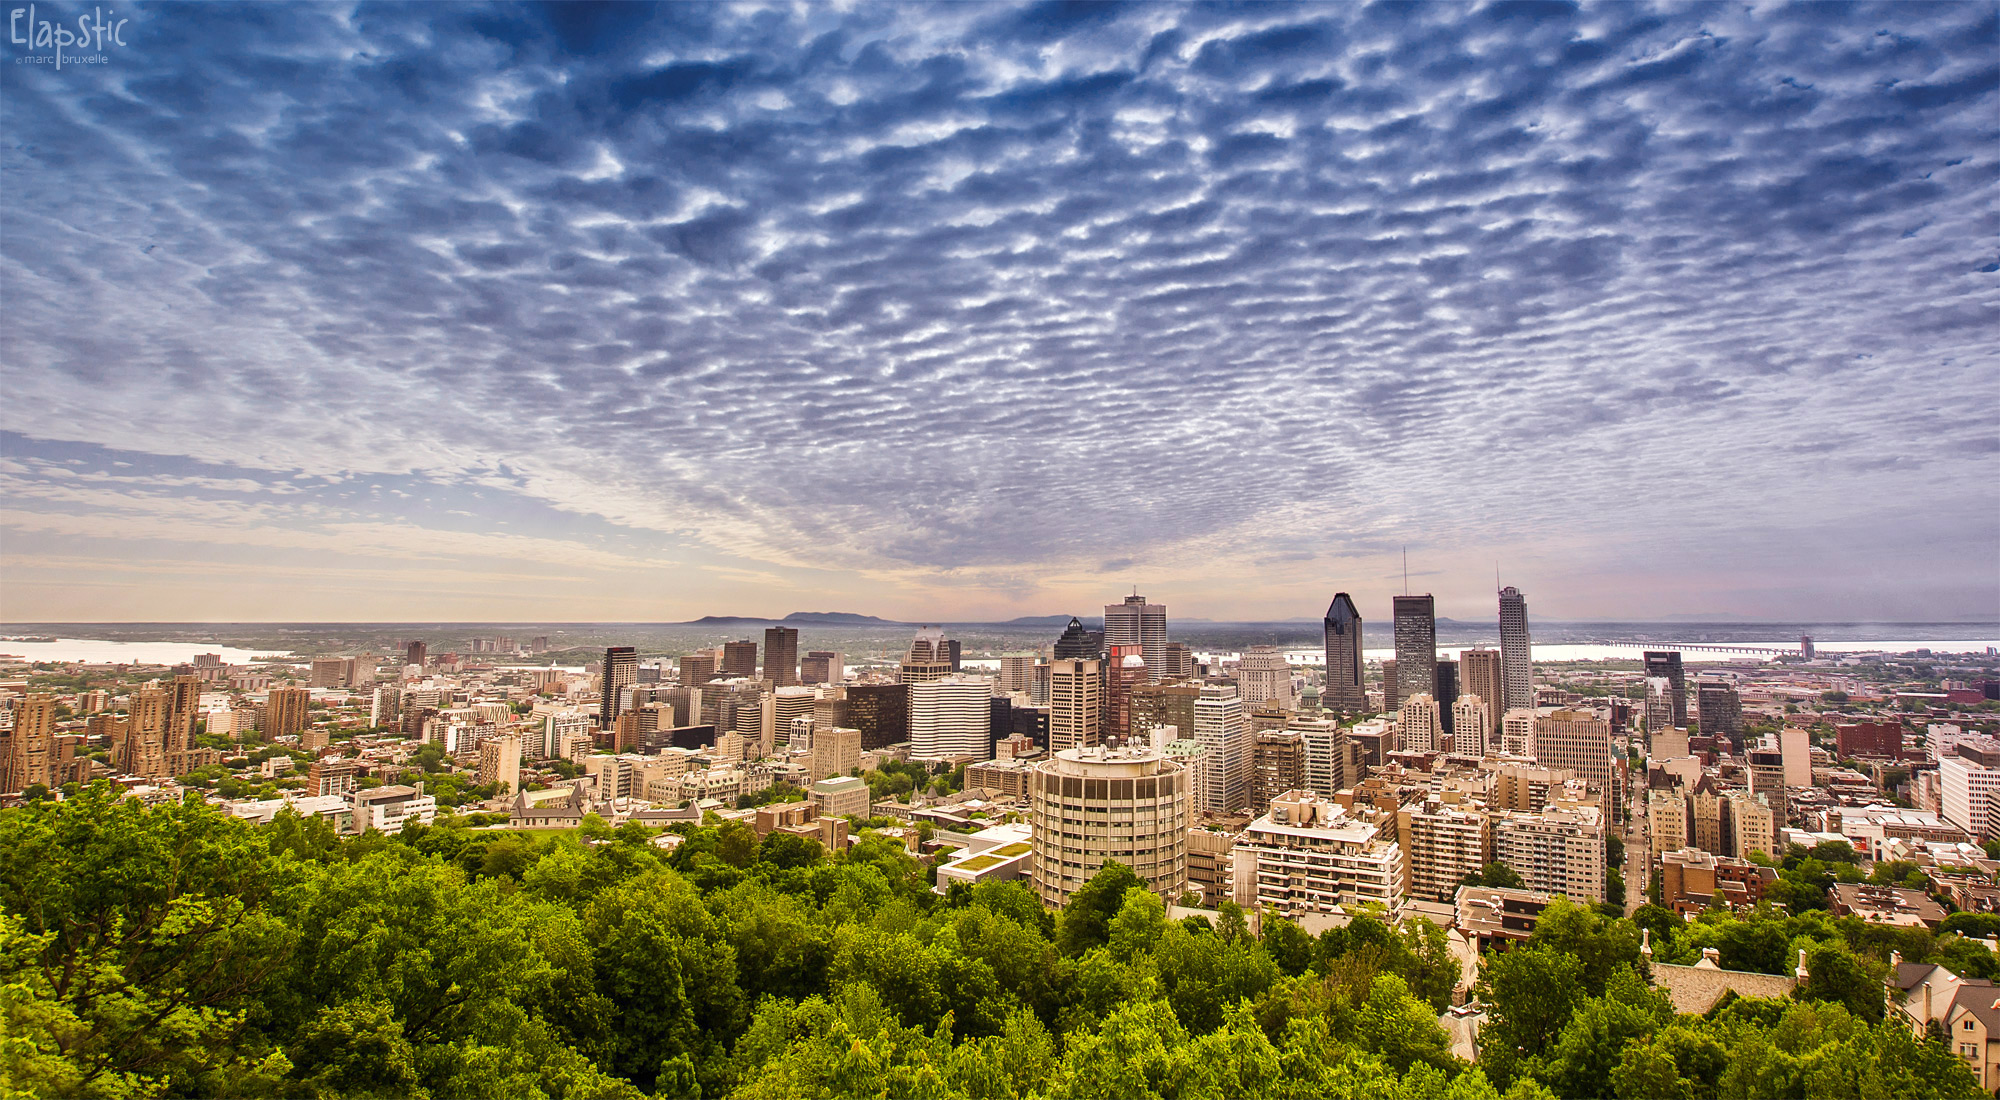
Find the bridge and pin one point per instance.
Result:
(1707, 647)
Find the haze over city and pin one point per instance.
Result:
(967, 312)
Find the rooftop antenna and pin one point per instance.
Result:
(1406, 570)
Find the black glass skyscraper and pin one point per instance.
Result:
(1346, 691)
(1667, 663)
(1416, 648)
(1078, 644)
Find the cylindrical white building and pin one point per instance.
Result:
(1092, 804)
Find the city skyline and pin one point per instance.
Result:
(967, 312)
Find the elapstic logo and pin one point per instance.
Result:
(92, 32)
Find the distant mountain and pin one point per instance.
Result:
(1057, 621)
(706, 620)
(838, 618)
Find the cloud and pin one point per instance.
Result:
(938, 297)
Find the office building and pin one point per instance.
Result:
(1180, 663)
(330, 776)
(1719, 709)
(1391, 698)
(386, 706)
(1093, 804)
(781, 655)
(1667, 663)
(739, 660)
(1418, 726)
(1158, 706)
(1017, 673)
(928, 658)
(1416, 646)
(327, 672)
(1581, 742)
(621, 670)
(1853, 739)
(1307, 856)
(1124, 670)
(881, 712)
(1222, 729)
(1328, 764)
(1517, 732)
(1479, 675)
(30, 757)
(1346, 690)
(1445, 691)
(1441, 844)
(697, 668)
(1470, 722)
(836, 751)
(286, 711)
(789, 705)
(1660, 705)
(1557, 851)
(1076, 703)
(1795, 748)
(416, 653)
(1517, 666)
(1264, 676)
(500, 762)
(1966, 787)
(951, 718)
(822, 666)
(1138, 623)
(842, 796)
(388, 809)
(1277, 766)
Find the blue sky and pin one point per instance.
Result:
(966, 311)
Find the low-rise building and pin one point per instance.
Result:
(388, 809)
(1307, 856)
(845, 796)
(1692, 881)
(1886, 905)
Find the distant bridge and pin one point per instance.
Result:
(1705, 647)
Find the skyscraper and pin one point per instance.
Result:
(417, 653)
(1445, 691)
(738, 659)
(1136, 622)
(1124, 670)
(1076, 702)
(928, 658)
(621, 668)
(880, 711)
(1264, 676)
(31, 746)
(1079, 644)
(951, 717)
(1223, 731)
(286, 711)
(1479, 674)
(1667, 663)
(1416, 646)
(1720, 710)
(781, 656)
(1345, 691)
(141, 746)
(1469, 726)
(1419, 727)
(1517, 666)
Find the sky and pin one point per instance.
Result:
(969, 311)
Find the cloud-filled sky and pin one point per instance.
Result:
(428, 311)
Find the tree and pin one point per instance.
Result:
(1495, 875)
(1086, 919)
(1833, 974)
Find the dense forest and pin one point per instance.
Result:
(175, 951)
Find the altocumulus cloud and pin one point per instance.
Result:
(989, 296)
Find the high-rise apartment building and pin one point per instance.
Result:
(1277, 766)
(1307, 856)
(1517, 732)
(386, 706)
(31, 746)
(287, 710)
(1668, 820)
(141, 750)
(951, 717)
(1076, 703)
(928, 658)
(822, 666)
(1089, 805)
(1264, 676)
(183, 711)
(1017, 673)
(1418, 725)
(1470, 722)
(781, 655)
(1222, 728)
(1557, 851)
(1442, 843)
(1138, 623)
(1329, 758)
(1346, 690)
(621, 669)
(739, 659)
(1581, 742)
(1517, 665)
(1753, 825)
(1479, 674)
(1667, 663)
(329, 672)
(500, 762)
(1416, 646)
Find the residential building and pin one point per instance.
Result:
(1480, 677)
(30, 746)
(1580, 742)
(1517, 667)
(1719, 710)
(1557, 851)
(1419, 728)
(286, 711)
(330, 776)
(1470, 723)
(1278, 764)
(141, 748)
(1441, 843)
(1092, 804)
(781, 655)
(1966, 787)
(1667, 820)
(500, 762)
(1138, 623)
(1692, 881)
(1329, 764)
(1346, 690)
(1416, 647)
(1795, 749)
(1307, 856)
(1893, 905)
(1517, 732)
(1667, 663)
(1853, 739)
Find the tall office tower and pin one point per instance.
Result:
(1667, 663)
(1124, 670)
(1517, 732)
(1444, 687)
(286, 711)
(327, 672)
(1328, 757)
(1581, 742)
(1806, 647)
(1089, 805)
(1517, 663)
(1418, 725)
(1078, 644)
(1720, 710)
(31, 746)
(951, 652)
(1469, 740)
(500, 762)
(1076, 703)
(621, 669)
(822, 666)
(788, 705)
(1277, 766)
(781, 656)
(1479, 674)
(1223, 730)
(1136, 622)
(951, 717)
(387, 705)
(1391, 700)
(928, 657)
(738, 659)
(1416, 646)
(1659, 704)
(1158, 706)
(1264, 676)
(183, 710)
(1346, 690)
(1557, 851)
(881, 712)
(141, 750)
(1017, 672)
(416, 653)
(697, 669)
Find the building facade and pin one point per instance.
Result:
(1089, 805)
(1346, 690)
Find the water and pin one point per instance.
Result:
(97, 652)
